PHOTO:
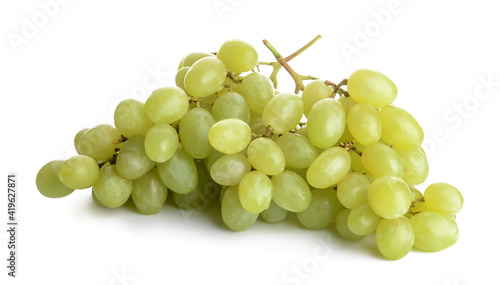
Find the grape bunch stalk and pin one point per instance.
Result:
(336, 155)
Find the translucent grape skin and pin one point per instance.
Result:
(76, 140)
(329, 168)
(353, 190)
(179, 78)
(400, 129)
(205, 77)
(291, 192)
(48, 182)
(371, 87)
(322, 210)
(299, 152)
(193, 57)
(99, 142)
(379, 160)
(132, 161)
(111, 190)
(230, 136)
(313, 92)
(433, 231)
(166, 105)
(231, 105)
(443, 198)
(283, 112)
(234, 215)
(394, 237)
(79, 172)
(343, 228)
(130, 118)
(389, 197)
(149, 193)
(326, 123)
(257, 90)
(255, 191)
(193, 132)
(364, 124)
(161, 142)
(230, 169)
(363, 220)
(179, 173)
(205, 190)
(238, 56)
(416, 167)
(274, 214)
(266, 156)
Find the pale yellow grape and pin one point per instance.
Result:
(356, 163)
(394, 237)
(193, 132)
(193, 57)
(179, 77)
(205, 77)
(179, 173)
(161, 142)
(347, 103)
(230, 136)
(48, 182)
(238, 56)
(400, 129)
(111, 190)
(291, 192)
(416, 167)
(130, 118)
(343, 228)
(389, 197)
(212, 158)
(283, 112)
(443, 198)
(166, 105)
(353, 190)
(234, 215)
(303, 132)
(362, 220)
(231, 105)
(274, 214)
(381, 160)
(149, 193)
(326, 123)
(255, 192)
(230, 169)
(371, 87)
(415, 193)
(364, 124)
(313, 92)
(323, 208)
(329, 168)
(257, 89)
(76, 140)
(132, 161)
(299, 152)
(434, 231)
(266, 156)
(99, 142)
(78, 172)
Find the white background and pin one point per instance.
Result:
(81, 58)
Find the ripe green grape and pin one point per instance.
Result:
(343, 228)
(111, 190)
(329, 168)
(257, 90)
(326, 123)
(381, 160)
(79, 172)
(416, 167)
(313, 92)
(193, 132)
(48, 182)
(77, 138)
(205, 77)
(443, 198)
(353, 190)
(230, 169)
(161, 142)
(291, 192)
(149, 193)
(364, 124)
(400, 129)
(193, 57)
(255, 192)
(371, 87)
(356, 163)
(212, 158)
(283, 112)
(130, 118)
(238, 56)
(274, 214)
(266, 156)
(99, 142)
(299, 152)
(347, 103)
(233, 214)
(205, 190)
(389, 197)
(322, 210)
(179, 173)
(362, 220)
(231, 105)
(230, 136)
(394, 237)
(434, 231)
(179, 78)
(166, 105)
(132, 161)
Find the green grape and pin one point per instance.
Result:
(303, 132)
(433, 231)
(301, 172)
(205, 77)
(179, 78)
(222, 191)
(255, 192)
(389, 197)
(257, 90)
(231, 105)
(364, 124)
(416, 167)
(400, 129)
(313, 92)
(353, 190)
(274, 214)
(193, 132)
(111, 190)
(394, 237)
(443, 198)
(230, 136)
(212, 158)
(99, 142)
(266, 156)
(205, 190)
(234, 215)
(356, 163)
(370, 177)
(78, 172)
(299, 152)
(283, 112)
(256, 124)
(161, 142)
(326, 123)
(322, 210)
(371, 87)
(381, 160)
(238, 56)
(343, 228)
(48, 182)
(179, 173)
(132, 161)
(230, 169)
(415, 194)
(76, 140)
(347, 103)
(130, 118)
(362, 220)
(166, 105)
(329, 168)
(193, 57)
(149, 193)
(291, 192)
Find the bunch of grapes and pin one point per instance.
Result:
(336, 155)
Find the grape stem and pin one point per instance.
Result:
(349, 146)
(413, 205)
(337, 89)
(233, 77)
